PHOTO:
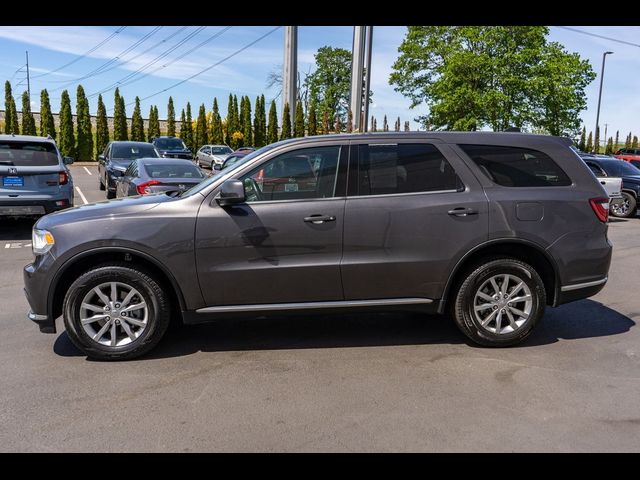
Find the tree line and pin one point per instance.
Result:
(244, 125)
(590, 144)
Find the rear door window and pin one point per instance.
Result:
(28, 154)
(517, 167)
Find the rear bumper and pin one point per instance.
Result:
(18, 206)
(570, 293)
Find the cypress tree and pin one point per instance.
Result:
(182, 132)
(187, 129)
(117, 115)
(217, 135)
(326, 127)
(102, 127)
(263, 120)
(406, 126)
(349, 121)
(299, 127)
(66, 141)
(374, 125)
(609, 148)
(201, 135)
(258, 141)
(312, 124)
(153, 128)
(156, 129)
(596, 141)
(9, 112)
(286, 123)
(615, 145)
(171, 119)
(229, 123)
(627, 143)
(634, 142)
(84, 147)
(236, 115)
(583, 139)
(137, 123)
(272, 133)
(385, 124)
(246, 123)
(28, 122)
(47, 125)
(337, 126)
(589, 145)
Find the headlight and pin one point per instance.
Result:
(41, 241)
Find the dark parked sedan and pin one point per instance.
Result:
(151, 175)
(116, 159)
(613, 167)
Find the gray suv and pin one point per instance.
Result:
(34, 178)
(486, 227)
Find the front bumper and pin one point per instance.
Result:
(36, 289)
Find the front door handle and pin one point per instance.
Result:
(318, 219)
(462, 211)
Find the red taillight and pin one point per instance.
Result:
(143, 188)
(600, 207)
(63, 178)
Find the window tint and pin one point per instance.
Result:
(130, 172)
(220, 150)
(635, 163)
(28, 154)
(597, 171)
(305, 173)
(517, 167)
(404, 168)
(169, 144)
(171, 170)
(131, 152)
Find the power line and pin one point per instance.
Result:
(250, 44)
(180, 57)
(148, 64)
(102, 67)
(600, 36)
(80, 57)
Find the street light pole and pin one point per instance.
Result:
(604, 58)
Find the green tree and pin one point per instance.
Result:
(272, 133)
(583, 140)
(120, 128)
(634, 142)
(286, 123)
(230, 123)
(326, 125)
(201, 134)
(182, 132)
(385, 124)
(102, 127)
(247, 128)
(299, 125)
(153, 129)
(406, 126)
(349, 121)
(263, 120)
(609, 149)
(66, 141)
(589, 146)
(187, 130)
(627, 143)
(329, 85)
(10, 113)
(84, 138)
(47, 125)
(617, 141)
(217, 135)
(258, 140)
(470, 77)
(312, 123)
(171, 119)
(137, 123)
(596, 140)
(28, 122)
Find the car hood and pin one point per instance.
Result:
(109, 208)
(631, 179)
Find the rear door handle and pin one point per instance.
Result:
(462, 211)
(318, 219)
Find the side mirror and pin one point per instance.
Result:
(67, 160)
(217, 166)
(101, 158)
(231, 192)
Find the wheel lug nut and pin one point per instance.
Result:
(509, 304)
(495, 308)
(123, 314)
(107, 309)
(117, 305)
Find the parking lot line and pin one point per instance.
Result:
(84, 199)
(87, 171)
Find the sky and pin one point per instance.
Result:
(61, 57)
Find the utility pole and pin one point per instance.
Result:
(604, 58)
(290, 70)
(357, 64)
(367, 79)
(28, 79)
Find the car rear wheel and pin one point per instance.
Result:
(499, 302)
(100, 184)
(115, 312)
(627, 208)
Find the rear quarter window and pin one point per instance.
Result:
(28, 154)
(517, 167)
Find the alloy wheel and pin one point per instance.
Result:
(503, 304)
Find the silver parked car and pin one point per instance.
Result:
(34, 178)
(210, 155)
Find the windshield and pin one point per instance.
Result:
(131, 152)
(203, 185)
(173, 170)
(619, 168)
(28, 154)
(170, 144)
(220, 150)
(232, 160)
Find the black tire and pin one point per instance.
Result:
(110, 194)
(100, 184)
(628, 208)
(157, 303)
(476, 276)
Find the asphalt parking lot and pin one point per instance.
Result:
(335, 383)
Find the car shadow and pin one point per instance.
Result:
(583, 319)
(16, 228)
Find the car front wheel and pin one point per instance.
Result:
(115, 312)
(499, 302)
